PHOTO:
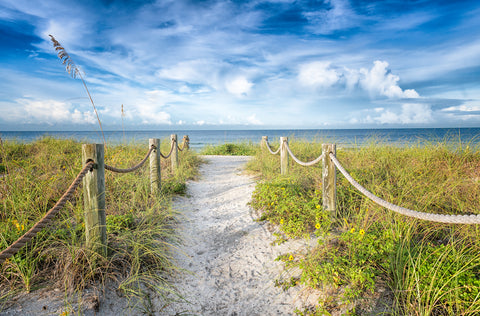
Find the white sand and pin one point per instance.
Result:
(230, 255)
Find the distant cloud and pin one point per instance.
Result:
(465, 112)
(410, 113)
(318, 74)
(252, 119)
(377, 81)
(47, 112)
(380, 81)
(238, 86)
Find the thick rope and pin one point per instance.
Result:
(171, 150)
(110, 168)
(181, 149)
(450, 219)
(17, 245)
(270, 150)
(306, 164)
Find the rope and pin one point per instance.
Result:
(171, 150)
(270, 150)
(451, 219)
(181, 149)
(306, 164)
(110, 168)
(17, 245)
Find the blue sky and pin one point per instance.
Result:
(178, 64)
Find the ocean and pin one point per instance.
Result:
(202, 138)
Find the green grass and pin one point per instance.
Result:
(141, 233)
(429, 268)
(231, 149)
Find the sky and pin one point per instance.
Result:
(178, 64)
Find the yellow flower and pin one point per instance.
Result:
(352, 230)
(290, 258)
(18, 226)
(272, 203)
(317, 225)
(23, 227)
(361, 232)
(283, 188)
(318, 206)
(281, 221)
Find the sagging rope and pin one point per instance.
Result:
(29, 235)
(171, 150)
(449, 219)
(306, 164)
(270, 150)
(186, 140)
(141, 163)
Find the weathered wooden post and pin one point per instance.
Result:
(174, 157)
(283, 155)
(264, 142)
(94, 196)
(155, 170)
(329, 178)
(186, 142)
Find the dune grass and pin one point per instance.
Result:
(140, 227)
(428, 268)
(231, 149)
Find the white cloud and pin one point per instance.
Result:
(238, 86)
(47, 112)
(410, 113)
(200, 123)
(149, 109)
(318, 74)
(252, 119)
(379, 81)
(463, 108)
(470, 110)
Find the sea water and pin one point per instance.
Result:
(202, 138)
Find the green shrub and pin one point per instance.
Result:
(231, 149)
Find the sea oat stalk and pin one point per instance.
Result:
(73, 70)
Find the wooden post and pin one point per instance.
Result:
(264, 141)
(94, 196)
(186, 142)
(174, 157)
(283, 155)
(329, 178)
(155, 170)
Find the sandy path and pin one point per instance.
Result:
(230, 255)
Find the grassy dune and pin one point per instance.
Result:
(426, 268)
(139, 225)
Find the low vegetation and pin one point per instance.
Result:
(231, 149)
(369, 259)
(139, 225)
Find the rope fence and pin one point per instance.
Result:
(330, 163)
(138, 166)
(93, 177)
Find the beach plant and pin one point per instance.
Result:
(364, 250)
(75, 72)
(231, 149)
(141, 227)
